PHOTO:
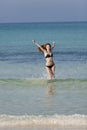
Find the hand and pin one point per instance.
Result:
(33, 41)
(53, 42)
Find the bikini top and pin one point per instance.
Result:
(49, 55)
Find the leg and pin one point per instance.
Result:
(49, 72)
(53, 71)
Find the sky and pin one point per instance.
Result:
(42, 10)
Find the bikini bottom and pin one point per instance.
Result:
(50, 66)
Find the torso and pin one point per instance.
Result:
(49, 59)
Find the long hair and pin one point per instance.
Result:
(44, 46)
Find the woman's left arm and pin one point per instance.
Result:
(53, 45)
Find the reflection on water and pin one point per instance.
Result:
(51, 88)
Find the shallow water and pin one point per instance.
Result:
(43, 97)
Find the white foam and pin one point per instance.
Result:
(58, 120)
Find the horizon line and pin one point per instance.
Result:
(43, 22)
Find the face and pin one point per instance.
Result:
(48, 47)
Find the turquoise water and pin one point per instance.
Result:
(43, 97)
(25, 90)
(18, 55)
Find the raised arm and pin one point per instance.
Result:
(53, 45)
(37, 44)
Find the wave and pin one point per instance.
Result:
(72, 52)
(44, 82)
(25, 55)
(31, 120)
(41, 79)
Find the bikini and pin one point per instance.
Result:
(48, 56)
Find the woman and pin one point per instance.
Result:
(47, 51)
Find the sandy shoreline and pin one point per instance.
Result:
(43, 127)
(78, 122)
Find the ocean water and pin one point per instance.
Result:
(27, 97)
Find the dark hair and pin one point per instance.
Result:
(44, 46)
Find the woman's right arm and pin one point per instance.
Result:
(37, 44)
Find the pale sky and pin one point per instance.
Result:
(43, 10)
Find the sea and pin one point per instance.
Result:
(28, 99)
